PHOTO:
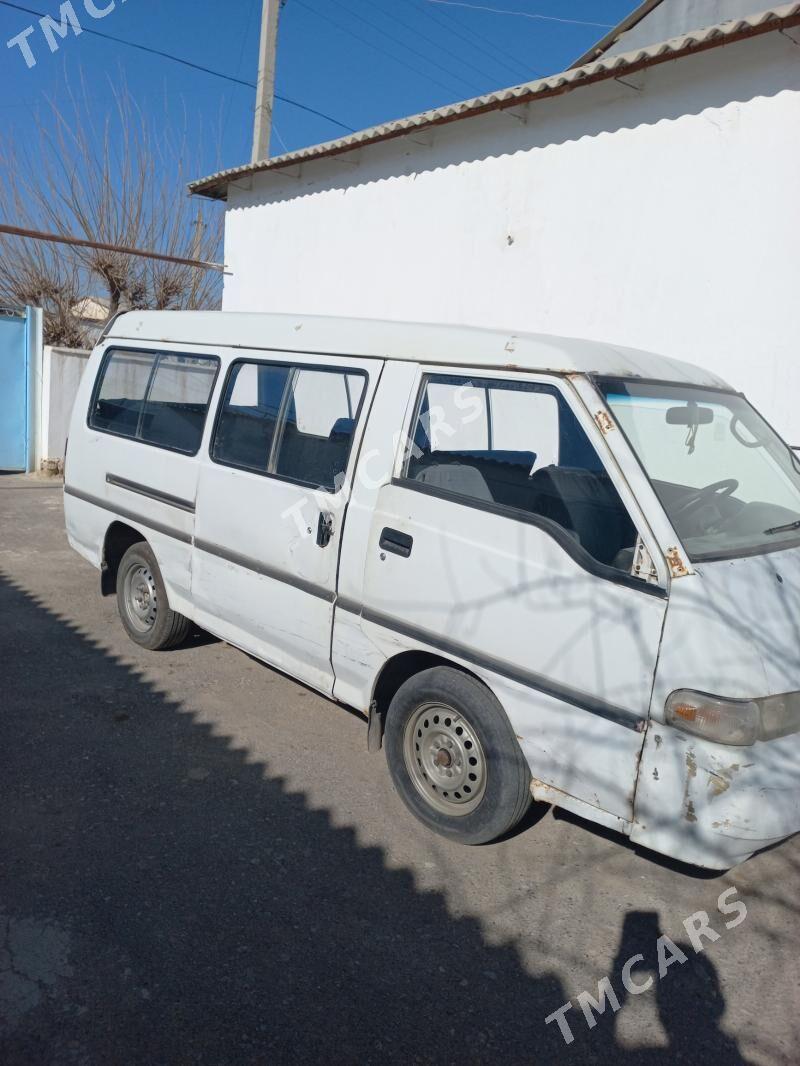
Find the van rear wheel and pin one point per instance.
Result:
(454, 758)
(143, 605)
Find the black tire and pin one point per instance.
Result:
(429, 710)
(150, 623)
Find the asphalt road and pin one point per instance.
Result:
(200, 863)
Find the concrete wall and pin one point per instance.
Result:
(663, 217)
(62, 370)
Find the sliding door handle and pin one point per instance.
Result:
(324, 529)
(392, 540)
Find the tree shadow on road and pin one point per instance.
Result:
(206, 914)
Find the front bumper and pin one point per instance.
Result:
(711, 805)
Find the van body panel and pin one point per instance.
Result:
(732, 630)
(577, 652)
(357, 660)
(428, 342)
(149, 488)
(713, 805)
(257, 563)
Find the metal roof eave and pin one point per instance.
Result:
(776, 18)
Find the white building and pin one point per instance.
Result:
(647, 196)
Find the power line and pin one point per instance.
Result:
(506, 58)
(376, 47)
(522, 14)
(436, 44)
(190, 64)
(402, 44)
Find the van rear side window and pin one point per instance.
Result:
(292, 422)
(249, 415)
(159, 398)
(122, 387)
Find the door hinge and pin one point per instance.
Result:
(676, 563)
(605, 422)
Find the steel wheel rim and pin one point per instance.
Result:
(141, 598)
(445, 759)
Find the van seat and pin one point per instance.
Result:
(314, 460)
(244, 437)
(586, 502)
(504, 474)
(458, 478)
(173, 425)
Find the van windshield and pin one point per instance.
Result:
(729, 484)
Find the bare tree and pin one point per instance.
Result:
(123, 183)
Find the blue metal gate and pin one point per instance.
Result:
(15, 390)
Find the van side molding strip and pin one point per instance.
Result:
(574, 697)
(151, 494)
(133, 516)
(257, 567)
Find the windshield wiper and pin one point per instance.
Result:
(783, 529)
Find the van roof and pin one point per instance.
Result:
(419, 342)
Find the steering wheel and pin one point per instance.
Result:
(698, 497)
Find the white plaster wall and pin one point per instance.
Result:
(63, 369)
(665, 219)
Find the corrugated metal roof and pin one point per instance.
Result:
(772, 19)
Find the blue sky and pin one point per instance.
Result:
(360, 61)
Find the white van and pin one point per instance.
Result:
(541, 567)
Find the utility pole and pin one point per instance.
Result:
(197, 244)
(265, 92)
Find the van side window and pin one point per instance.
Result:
(174, 411)
(118, 400)
(249, 415)
(294, 422)
(157, 398)
(518, 448)
(319, 426)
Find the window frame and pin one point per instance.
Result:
(292, 366)
(109, 354)
(556, 532)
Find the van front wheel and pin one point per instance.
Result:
(454, 758)
(143, 605)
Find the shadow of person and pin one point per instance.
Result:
(691, 1007)
(689, 999)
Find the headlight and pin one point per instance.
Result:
(736, 722)
(721, 720)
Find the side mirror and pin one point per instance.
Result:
(691, 415)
